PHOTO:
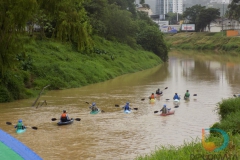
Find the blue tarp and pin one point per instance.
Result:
(18, 147)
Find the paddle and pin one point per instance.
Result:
(130, 108)
(77, 119)
(9, 123)
(161, 110)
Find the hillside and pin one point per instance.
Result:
(203, 41)
(60, 65)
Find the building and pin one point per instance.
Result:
(162, 7)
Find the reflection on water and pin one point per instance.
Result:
(115, 135)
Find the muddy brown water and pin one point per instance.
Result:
(115, 135)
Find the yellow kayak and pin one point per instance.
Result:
(152, 101)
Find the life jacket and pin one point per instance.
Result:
(152, 96)
(64, 115)
(187, 94)
(19, 126)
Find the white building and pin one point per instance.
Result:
(162, 7)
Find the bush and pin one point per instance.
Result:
(5, 96)
(231, 123)
(228, 106)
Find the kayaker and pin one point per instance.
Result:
(20, 125)
(93, 107)
(64, 117)
(152, 96)
(127, 107)
(187, 95)
(165, 110)
(176, 97)
(158, 92)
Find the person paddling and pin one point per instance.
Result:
(64, 117)
(20, 125)
(152, 96)
(127, 107)
(165, 110)
(176, 97)
(187, 95)
(94, 107)
(158, 92)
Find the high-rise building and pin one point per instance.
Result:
(162, 7)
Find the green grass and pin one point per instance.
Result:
(61, 66)
(204, 41)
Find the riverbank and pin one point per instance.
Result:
(61, 66)
(229, 112)
(204, 41)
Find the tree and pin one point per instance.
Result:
(13, 19)
(71, 21)
(172, 17)
(234, 10)
(151, 39)
(206, 17)
(192, 13)
(200, 16)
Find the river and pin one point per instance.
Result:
(113, 134)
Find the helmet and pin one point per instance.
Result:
(164, 105)
(20, 121)
(127, 103)
(64, 111)
(93, 103)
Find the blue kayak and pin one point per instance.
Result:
(127, 111)
(65, 123)
(20, 130)
(13, 149)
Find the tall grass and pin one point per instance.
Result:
(204, 41)
(61, 66)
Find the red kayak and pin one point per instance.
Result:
(167, 114)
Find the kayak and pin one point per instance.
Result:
(12, 148)
(152, 101)
(95, 112)
(65, 123)
(20, 130)
(176, 103)
(127, 111)
(186, 98)
(169, 113)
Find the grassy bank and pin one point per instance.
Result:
(229, 112)
(204, 41)
(61, 66)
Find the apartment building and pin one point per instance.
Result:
(162, 7)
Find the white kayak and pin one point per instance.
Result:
(127, 111)
(176, 103)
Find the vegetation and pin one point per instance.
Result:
(195, 151)
(201, 16)
(204, 41)
(233, 11)
(71, 43)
